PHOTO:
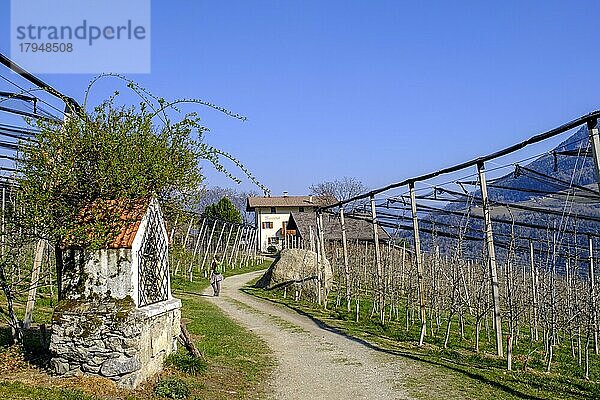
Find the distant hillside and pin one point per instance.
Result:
(564, 164)
(558, 166)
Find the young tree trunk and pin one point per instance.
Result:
(35, 277)
(509, 346)
(448, 326)
(579, 346)
(586, 375)
(477, 329)
(550, 351)
(15, 324)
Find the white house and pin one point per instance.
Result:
(271, 215)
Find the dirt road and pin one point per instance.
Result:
(312, 363)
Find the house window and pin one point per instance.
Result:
(300, 209)
(273, 211)
(267, 225)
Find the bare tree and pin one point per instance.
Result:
(342, 189)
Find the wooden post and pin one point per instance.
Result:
(237, 257)
(419, 262)
(380, 294)
(187, 233)
(592, 126)
(402, 267)
(534, 287)
(254, 246)
(35, 276)
(593, 310)
(202, 245)
(248, 246)
(346, 267)
(219, 240)
(236, 240)
(244, 249)
(237, 247)
(227, 244)
(323, 259)
(196, 246)
(173, 230)
(491, 258)
(247, 239)
(320, 258)
(3, 219)
(207, 249)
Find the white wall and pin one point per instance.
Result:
(282, 214)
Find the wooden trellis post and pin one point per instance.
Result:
(196, 246)
(253, 243)
(184, 241)
(173, 230)
(187, 233)
(419, 262)
(247, 244)
(254, 246)
(534, 286)
(203, 233)
(320, 258)
(219, 240)
(207, 249)
(236, 240)
(380, 294)
(227, 244)
(35, 277)
(491, 258)
(402, 266)
(3, 219)
(592, 280)
(239, 256)
(238, 251)
(346, 266)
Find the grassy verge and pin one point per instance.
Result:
(466, 373)
(236, 363)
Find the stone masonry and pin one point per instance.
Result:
(113, 339)
(117, 318)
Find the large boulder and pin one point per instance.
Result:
(298, 268)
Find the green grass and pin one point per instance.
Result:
(458, 368)
(236, 365)
(238, 361)
(18, 391)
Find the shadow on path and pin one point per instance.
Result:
(457, 368)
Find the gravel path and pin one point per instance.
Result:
(312, 363)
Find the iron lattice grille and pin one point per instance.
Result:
(153, 262)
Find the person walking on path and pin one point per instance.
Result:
(216, 276)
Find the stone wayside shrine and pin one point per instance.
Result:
(117, 318)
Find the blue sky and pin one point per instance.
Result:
(376, 90)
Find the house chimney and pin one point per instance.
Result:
(285, 194)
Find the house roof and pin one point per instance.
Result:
(289, 201)
(355, 228)
(111, 224)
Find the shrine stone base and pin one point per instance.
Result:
(112, 338)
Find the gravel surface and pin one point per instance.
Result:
(313, 363)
